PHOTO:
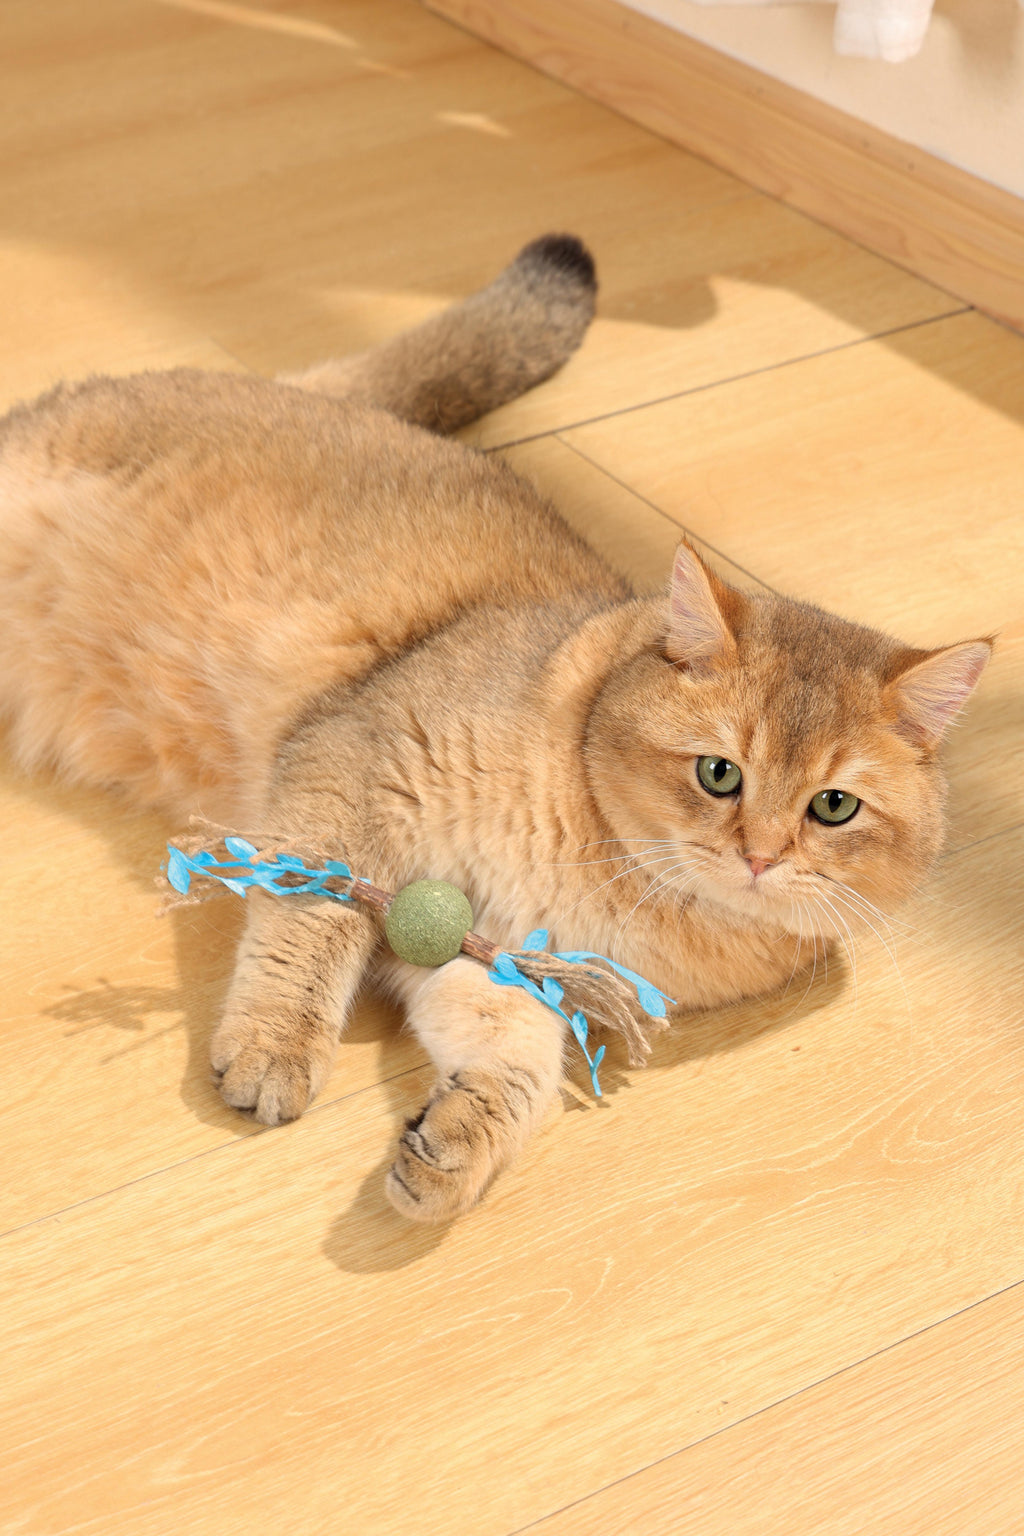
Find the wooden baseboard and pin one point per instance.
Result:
(953, 229)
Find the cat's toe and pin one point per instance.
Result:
(422, 1190)
(271, 1089)
(272, 1085)
(446, 1157)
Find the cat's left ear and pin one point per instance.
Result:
(930, 693)
(703, 611)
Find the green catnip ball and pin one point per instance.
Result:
(427, 922)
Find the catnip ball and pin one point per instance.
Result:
(427, 922)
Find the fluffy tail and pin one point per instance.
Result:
(479, 353)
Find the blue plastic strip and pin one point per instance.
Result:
(505, 973)
(244, 870)
(651, 1000)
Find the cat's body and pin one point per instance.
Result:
(298, 612)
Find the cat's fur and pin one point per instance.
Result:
(289, 606)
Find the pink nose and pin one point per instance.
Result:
(757, 864)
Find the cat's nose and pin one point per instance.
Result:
(758, 863)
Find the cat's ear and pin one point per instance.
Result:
(929, 693)
(702, 610)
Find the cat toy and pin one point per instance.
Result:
(429, 922)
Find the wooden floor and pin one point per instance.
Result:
(773, 1284)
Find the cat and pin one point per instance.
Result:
(294, 604)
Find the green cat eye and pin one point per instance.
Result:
(833, 806)
(718, 775)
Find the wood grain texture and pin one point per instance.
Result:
(636, 537)
(689, 301)
(879, 481)
(922, 212)
(212, 182)
(211, 1329)
(926, 1440)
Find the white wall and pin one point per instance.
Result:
(961, 99)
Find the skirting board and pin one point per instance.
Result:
(955, 230)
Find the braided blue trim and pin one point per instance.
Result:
(248, 870)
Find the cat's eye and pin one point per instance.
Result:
(718, 775)
(833, 806)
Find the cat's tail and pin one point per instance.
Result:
(479, 353)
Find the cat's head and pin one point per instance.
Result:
(787, 758)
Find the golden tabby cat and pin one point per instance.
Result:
(290, 606)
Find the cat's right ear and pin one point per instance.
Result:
(702, 610)
(930, 693)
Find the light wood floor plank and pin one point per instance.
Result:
(71, 314)
(285, 196)
(788, 1189)
(637, 538)
(925, 1440)
(881, 481)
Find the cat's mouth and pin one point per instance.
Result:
(770, 895)
(710, 881)
(803, 902)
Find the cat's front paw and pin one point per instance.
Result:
(473, 1125)
(273, 1073)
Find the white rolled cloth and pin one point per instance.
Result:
(870, 29)
(881, 29)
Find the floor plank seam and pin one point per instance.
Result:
(690, 534)
(954, 853)
(247, 368)
(226, 1146)
(734, 378)
(780, 1402)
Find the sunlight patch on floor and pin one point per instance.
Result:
(267, 21)
(478, 122)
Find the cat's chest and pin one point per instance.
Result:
(696, 953)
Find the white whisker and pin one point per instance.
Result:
(869, 908)
(844, 934)
(861, 912)
(614, 858)
(633, 869)
(659, 883)
(889, 948)
(814, 962)
(602, 842)
(799, 946)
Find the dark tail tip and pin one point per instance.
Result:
(564, 254)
